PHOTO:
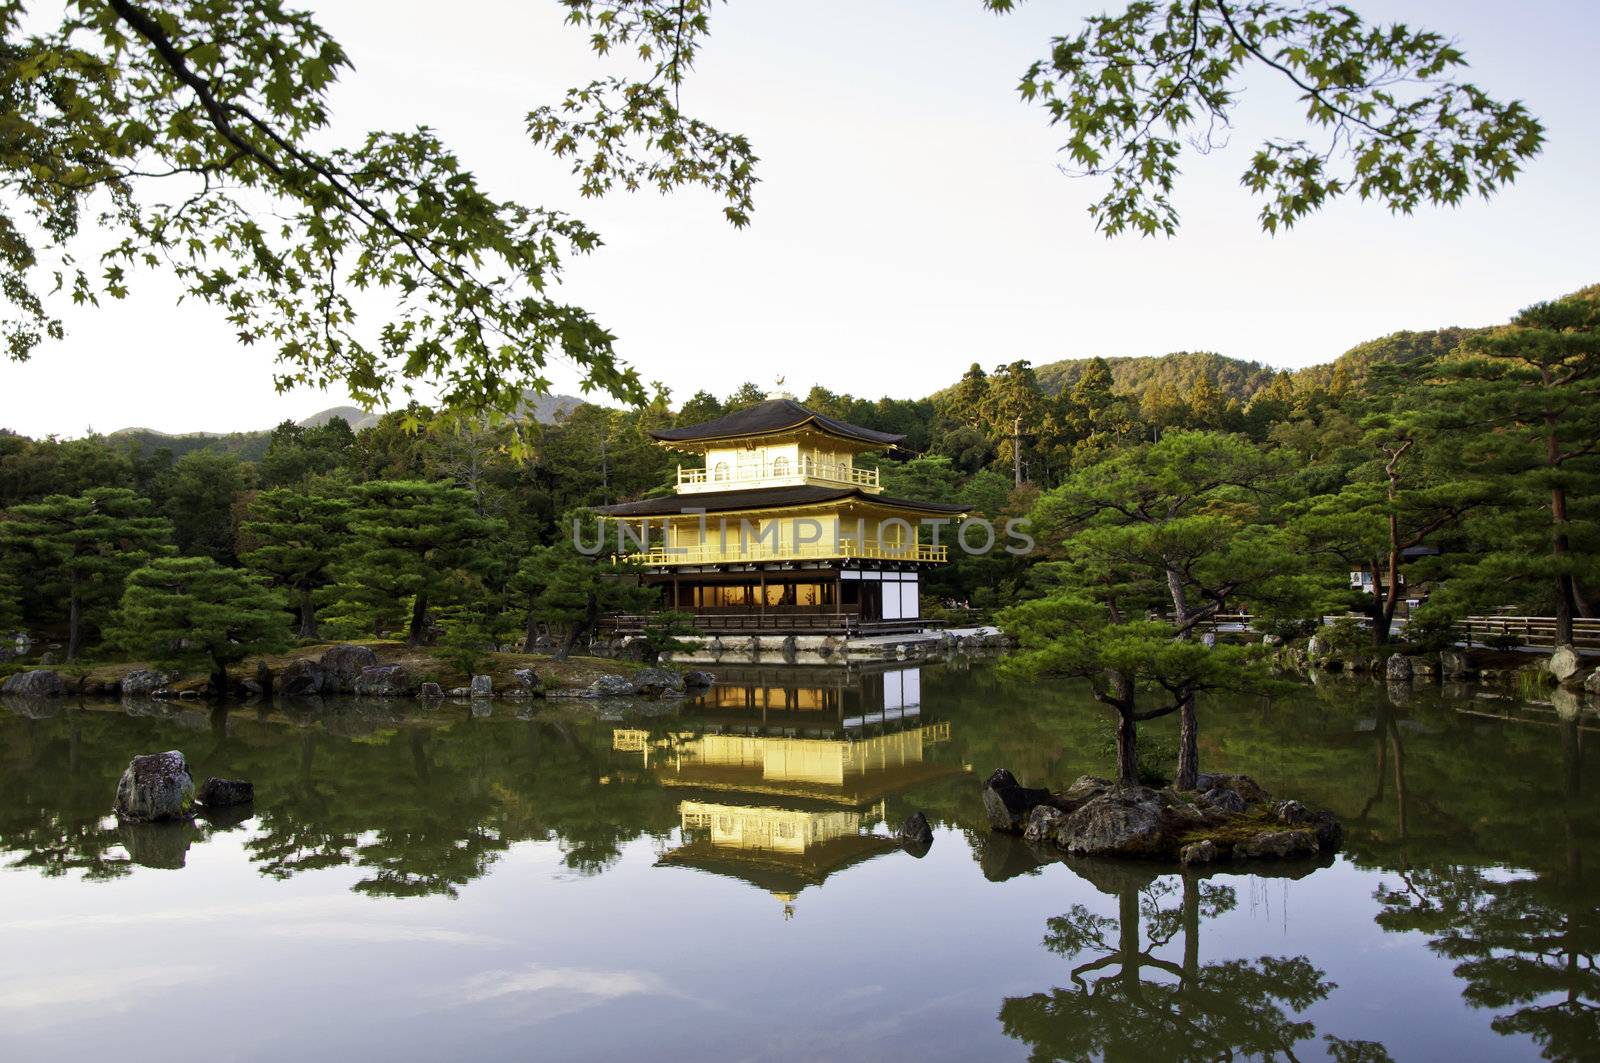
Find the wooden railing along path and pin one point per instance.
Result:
(1527, 630)
(1536, 631)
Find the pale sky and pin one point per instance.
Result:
(911, 218)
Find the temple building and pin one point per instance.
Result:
(779, 530)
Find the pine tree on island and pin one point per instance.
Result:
(190, 612)
(294, 540)
(83, 547)
(417, 540)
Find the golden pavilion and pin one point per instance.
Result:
(779, 531)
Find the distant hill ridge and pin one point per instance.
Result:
(1233, 378)
(252, 445)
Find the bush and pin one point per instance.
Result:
(1431, 630)
(1346, 636)
(1154, 754)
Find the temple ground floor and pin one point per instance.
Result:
(829, 597)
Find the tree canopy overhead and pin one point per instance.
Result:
(195, 137)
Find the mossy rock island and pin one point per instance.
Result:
(1226, 817)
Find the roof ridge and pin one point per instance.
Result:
(770, 416)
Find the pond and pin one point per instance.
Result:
(716, 879)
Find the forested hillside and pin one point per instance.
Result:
(1447, 444)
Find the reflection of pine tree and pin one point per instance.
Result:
(295, 833)
(1527, 944)
(1186, 1010)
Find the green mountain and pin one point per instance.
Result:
(1135, 376)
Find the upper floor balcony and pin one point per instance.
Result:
(780, 472)
(747, 552)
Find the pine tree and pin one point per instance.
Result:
(11, 618)
(1412, 493)
(414, 539)
(190, 612)
(573, 591)
(294, 542)
(83, 545)
(197, 495)
(1184, 526)
(1528, 395)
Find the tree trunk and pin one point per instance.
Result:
(308, 613)
(1128, 942)
(74, 609)
(419, 620)
(531, 635)
(1188, 746)
(1127, 750)
(1188, 725)
(569, 641)
(1191, 930)
(219, 681)
(1383, 617)
(1566, 592)
(1383, 623)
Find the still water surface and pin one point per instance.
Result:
(716, 880)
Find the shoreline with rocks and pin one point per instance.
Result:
(389, 671)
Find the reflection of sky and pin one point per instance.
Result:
(897, 958)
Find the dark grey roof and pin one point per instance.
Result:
(774, 415)
(761, 498)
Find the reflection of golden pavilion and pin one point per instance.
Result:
(780, 850)
(852, 771)
(789, 770)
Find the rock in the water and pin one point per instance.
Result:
(304, 676)
(482, 686)
(1043, 824)
(141, 682)
(461, 692)
(699, 680)
(1453, 664)
(1125, 822)
(658, 682)
(1565, 664)
(383, 681)
(1283, 844)
(1592, 684)
(38, 684)
(915, 830)
(1242, 785)
(343, 665)
(1201, 852)
(610, 686)
(1224, 800)
(1326, 826)
(224, 793)
(430, 690)
(156, 786)
(1008, 803)
(1398, 668)
(632, 648)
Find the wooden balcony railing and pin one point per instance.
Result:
(780, 471)
(738, 553)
